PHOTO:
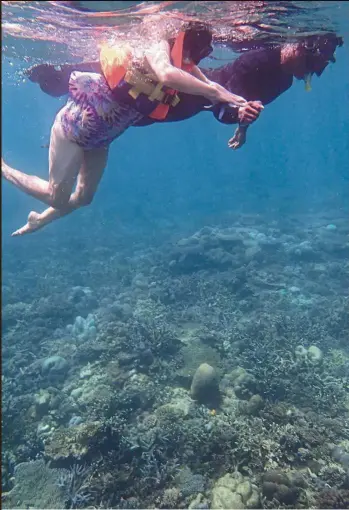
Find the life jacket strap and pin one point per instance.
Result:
(156, 92)
(152, 90)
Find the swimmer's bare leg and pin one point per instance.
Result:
(65, 159)
(239, 138)
(39, 187)
(88, 179)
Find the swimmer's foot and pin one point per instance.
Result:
(5, 169)
(32, 225)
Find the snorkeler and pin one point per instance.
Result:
(101, 107)
(265, 74)
(260, 74)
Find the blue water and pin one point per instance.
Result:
(297, 151)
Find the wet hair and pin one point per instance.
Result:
(319, 50)
(197, 40)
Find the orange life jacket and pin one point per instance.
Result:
(115, 62)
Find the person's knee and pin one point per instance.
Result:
(59, 197)
(84, 199)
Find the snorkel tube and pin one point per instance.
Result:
(307, 82)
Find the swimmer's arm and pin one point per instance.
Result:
(196, 71)
(159, 60)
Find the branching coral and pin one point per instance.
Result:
(75, 483)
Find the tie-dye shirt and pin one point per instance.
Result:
(92, 117)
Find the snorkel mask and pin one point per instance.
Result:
(319, 51)
(197, 41)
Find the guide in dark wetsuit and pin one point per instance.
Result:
(256, 75)
(260, 75)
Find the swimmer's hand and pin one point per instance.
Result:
(238, 139)
(250, 112)
(247, 115)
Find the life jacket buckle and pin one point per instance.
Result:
(175, 100)
(134, 93)
(170, 99)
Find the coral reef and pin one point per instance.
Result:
(234, 491)
(210, 371)
(36, 486)
(204, 386)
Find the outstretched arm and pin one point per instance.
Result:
(160, 62)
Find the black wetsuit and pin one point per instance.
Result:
(254, 75)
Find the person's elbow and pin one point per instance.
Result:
(167, 75)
